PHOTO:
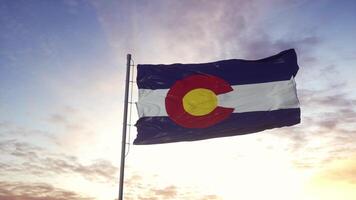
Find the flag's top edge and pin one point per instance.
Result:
(288, 52)
(279, 67)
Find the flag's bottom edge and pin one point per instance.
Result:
(158, 130)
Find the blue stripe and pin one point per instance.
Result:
(236, 71)
(156, 130)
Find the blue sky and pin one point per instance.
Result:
(61, 99)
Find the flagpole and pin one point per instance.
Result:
(124, 127)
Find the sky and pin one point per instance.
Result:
(62, 68)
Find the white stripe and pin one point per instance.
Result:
(244, 98)
(151, 102)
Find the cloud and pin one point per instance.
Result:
(168, 192)
(12, 130)
(210, 197)
(69, 118)
(327, 129)
(334, 111)
(325, 98)
(39, 162)
(186, 31)
(262, 45)
(75, 129)
(137, 187)
(341, 170)
(36, 191)
(58, 119)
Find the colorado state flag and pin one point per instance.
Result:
(187, 102)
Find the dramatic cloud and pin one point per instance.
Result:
(327, 131)
(36, 191)
(186, 31)
(71, 52)
(37, 161)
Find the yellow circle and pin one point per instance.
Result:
(200, 101)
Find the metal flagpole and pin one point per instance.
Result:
(124, 126)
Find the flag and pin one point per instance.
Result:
(187, 102)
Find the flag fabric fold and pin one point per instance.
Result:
(187, 102)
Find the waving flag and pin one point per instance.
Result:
(187, 102)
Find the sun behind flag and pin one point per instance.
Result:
(187, 102)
